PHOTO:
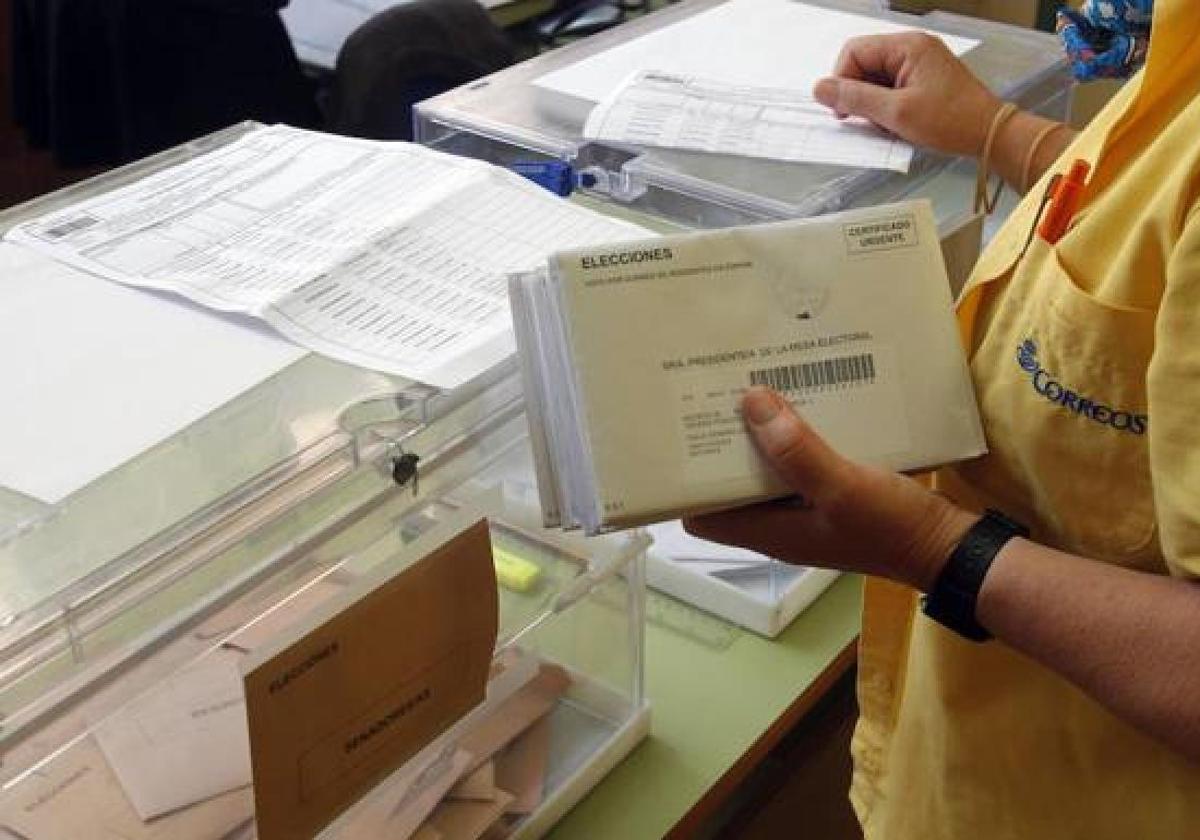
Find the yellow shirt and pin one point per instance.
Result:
(1086, 359)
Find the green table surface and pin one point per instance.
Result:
(709, 709)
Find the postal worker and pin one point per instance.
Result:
(1074, 545)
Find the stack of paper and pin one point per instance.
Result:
(684, 112)
(786, 44)
(388, 256)
(736, 79)
(635, 358)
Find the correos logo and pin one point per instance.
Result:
(1045, 384)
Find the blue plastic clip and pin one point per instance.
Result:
(555, 175)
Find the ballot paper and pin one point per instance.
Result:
(183, 742)
(635, 358)
(384, 255)
(668, 110)
(75, 796)
(757, 43)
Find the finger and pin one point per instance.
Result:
(859, 99)
(793, 449)
(875, 58)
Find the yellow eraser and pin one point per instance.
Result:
(515, 572)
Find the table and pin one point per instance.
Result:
(716, 713)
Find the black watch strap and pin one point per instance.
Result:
(951, 602)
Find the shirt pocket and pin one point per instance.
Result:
(1062, 385)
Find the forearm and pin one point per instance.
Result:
(1129, 639)
(1017, 137)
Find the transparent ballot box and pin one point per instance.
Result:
(129, 609)
(509, 117)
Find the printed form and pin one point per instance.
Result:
(384, 255)
(669, 110)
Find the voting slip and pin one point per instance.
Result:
(674, 111)
(635, 358)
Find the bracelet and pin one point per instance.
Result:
(1031, 154)
(981, 181)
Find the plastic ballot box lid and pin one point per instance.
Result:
(537, 110)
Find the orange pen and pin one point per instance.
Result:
(1065, 202)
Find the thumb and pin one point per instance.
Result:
(848, 97)
(793, 449)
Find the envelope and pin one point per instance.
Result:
(370, 678)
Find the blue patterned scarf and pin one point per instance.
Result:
(1106, 39)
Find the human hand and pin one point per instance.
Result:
(848, 516)
(913, 86)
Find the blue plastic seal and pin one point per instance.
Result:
(555, 175)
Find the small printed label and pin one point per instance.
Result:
(881, 235)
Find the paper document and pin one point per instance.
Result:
(758, 43)
(79, 353)
(683, 112)
(183, 742)
(384, 255)
(77, 796)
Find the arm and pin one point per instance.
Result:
(913, 86)
(1129, 639)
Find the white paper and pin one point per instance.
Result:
(683, 112)
(385, 255)
(95, 374)
(183, 742)
(760, 43)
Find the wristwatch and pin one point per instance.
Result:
(951, 601)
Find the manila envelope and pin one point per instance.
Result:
(368, 680)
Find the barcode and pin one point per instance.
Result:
(71, 226)
(846, 370)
